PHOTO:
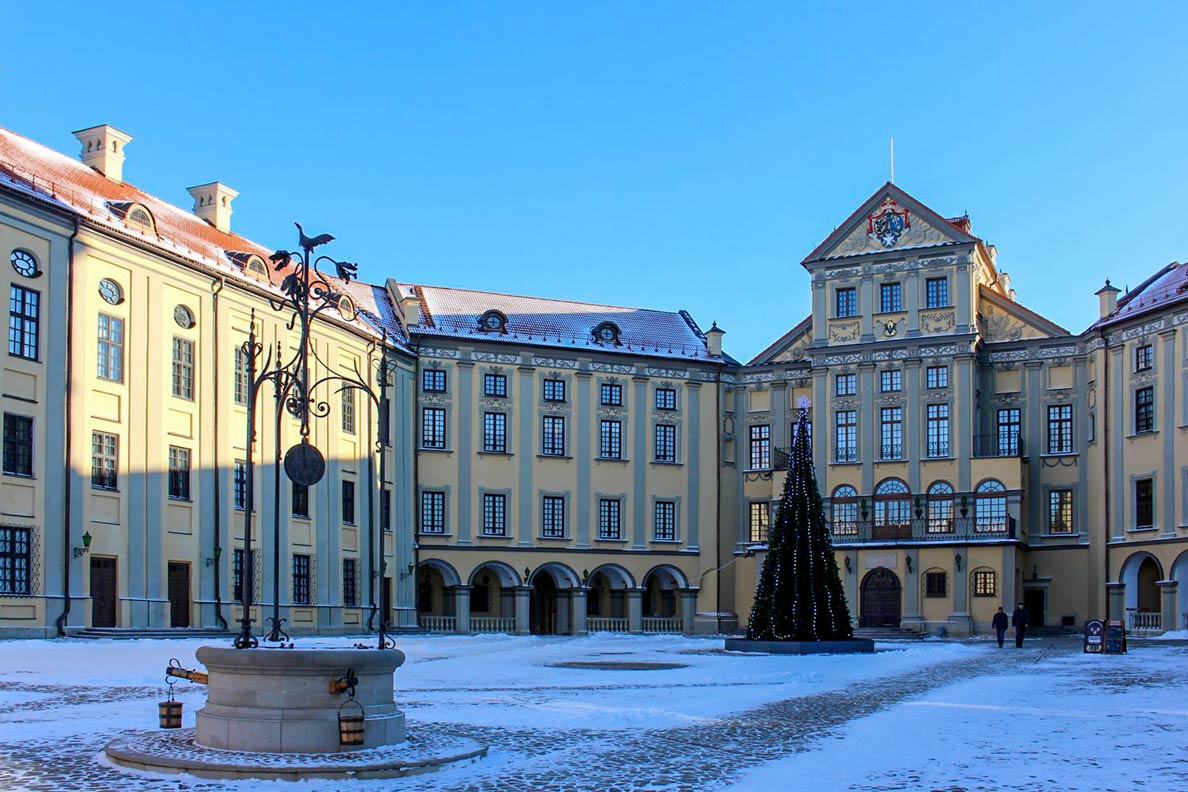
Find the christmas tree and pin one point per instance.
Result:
(800, 597)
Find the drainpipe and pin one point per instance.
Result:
(1105, 433)
(216, 286)
(66, 550)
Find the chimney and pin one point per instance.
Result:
(408, 304)
(1004, 280)
(103, 149)
(1107, 299)
(212, 202)
(713, 340)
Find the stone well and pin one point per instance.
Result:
(279, 700)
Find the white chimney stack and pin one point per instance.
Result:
(212, 202)
(408, 303)
(103, 149)
(1107, 297)
(713, 340)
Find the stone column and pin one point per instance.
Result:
(461, 608)
(688, 609)
(1168, 601)
(911, 619)
(523, 601)
(1117, 596)
(960, 622)
(577, 602)
(635, 610)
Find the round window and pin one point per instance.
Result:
(183, 316)
(24, 263)
(111, 292)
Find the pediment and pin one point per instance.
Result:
(1000, 319)
(890, 220)
(791, 347)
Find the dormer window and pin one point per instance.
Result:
(346, 308)
(256, 267)
(140, 218)
(253, 266)
(492, 322)
(606, 333)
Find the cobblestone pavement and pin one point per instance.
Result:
(668, 760)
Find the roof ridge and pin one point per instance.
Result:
(535, 297)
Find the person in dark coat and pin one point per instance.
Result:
(1000, 625)
(1019, 620)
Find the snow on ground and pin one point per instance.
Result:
(1070, 723)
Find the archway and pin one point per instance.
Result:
(606, 601)
(435, 604)
(550, 601)
(660, 607)
(881, 599)
(1179, 573)
(493, 598)
(1142, 599)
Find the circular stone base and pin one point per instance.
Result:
(175, 751)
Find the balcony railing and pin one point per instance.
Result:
(999, 444)
(492, 624)
(661, 624)
(438, 624)
(606, 624)
(1147, 622)
(922, 530)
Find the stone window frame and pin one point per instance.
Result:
(619, 498)
(675, 500)
(508, 518)
(564, 497)
(444, 492)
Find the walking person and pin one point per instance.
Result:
(1019, 620)
(1000, 625)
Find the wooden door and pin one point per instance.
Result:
(103, 592)
(179, 594)
(543, 605)
(882, 598)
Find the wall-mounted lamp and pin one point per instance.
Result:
(79, 552)
(908, 562)
(919, 508)
(848, 565)
(957, 558)
(527, 575)
(862, 506)
(218, 553)
(408, 570)
(964, 506)
(585, 576)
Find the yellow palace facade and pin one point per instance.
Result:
(559, 467)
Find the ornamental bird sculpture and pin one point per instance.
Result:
(320, 239)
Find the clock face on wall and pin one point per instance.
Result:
(111, 292)
(183, 317)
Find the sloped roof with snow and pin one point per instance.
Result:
(1167, 286)
(50, 176)
(455, 313)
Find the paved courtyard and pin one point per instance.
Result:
(592, 714)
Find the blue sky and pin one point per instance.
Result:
(664, 155)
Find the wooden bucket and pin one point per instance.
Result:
(351, 726)
(169, 714)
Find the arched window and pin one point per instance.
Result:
(139, 217)
(940, 508)
(990, 508)
(985, 582)
(493, 321)
(845, 511)
(257, 268)
(893, 510)
(606, 333)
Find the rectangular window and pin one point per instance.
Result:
(1144, 503)
(610, 440)
(890, 298)
(433, 512)
(1008, 431)
(301, 569)
(433, 380)
(348, 410)
(845, 384)
(985, 583)
(665, 399)
(300, 500)
(1060, 511)
(936, 584)
(1060, 429)
(891, 433)
(553, 517)
(1144, 410)
(553, 436)
(936, 292)
(179, 473)
(554, 390)
(937, 377)
(385, 509)
(845, 303)
(665, 443)
(609, 525)
(891, 381)
(242, 375)
(612, 394)
(237, 572)
(433, 427)
(240, 495)
(348, 502)
(760, 447)
(846, 435)
(24, 317)
(664, 528)
(109, 363)
(938, 430)
(1143, 358)
(350, 583)
(494, 514)
(760, 520)
(495, 386)
(183, 368)
(15, 560)
(104, 460)
(495, 432)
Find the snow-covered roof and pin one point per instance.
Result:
(55, 178)
(455, 313)
(1166, 286)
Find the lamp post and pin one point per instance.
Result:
(307, 293)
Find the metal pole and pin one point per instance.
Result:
(246, 640)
